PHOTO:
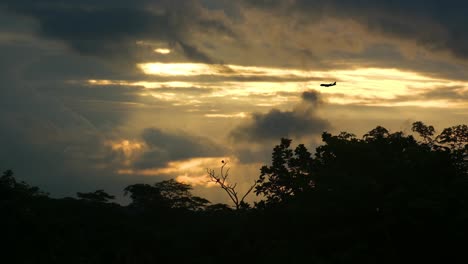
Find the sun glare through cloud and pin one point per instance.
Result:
(190, 171)
(366, 86)
(162, 51)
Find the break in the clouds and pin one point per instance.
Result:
(301, 121)
(164, 147)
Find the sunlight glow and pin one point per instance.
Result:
(190, 171)
(162, 51)
(202, 180)
(238, 115)
(126, 148)
(364, 86)
(176, 69)
(192, 69)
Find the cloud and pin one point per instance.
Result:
(54, 132)
(437, 96)
(456, 93)
(112, 29)
(164, 147)
(312, 97)
(194, 54)
(50, 145)
(301, 121)
(94, 30)
(349, 32)
(448, 93)
(433, 24)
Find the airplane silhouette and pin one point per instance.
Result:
(328, 84)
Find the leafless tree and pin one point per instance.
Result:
(229, 188)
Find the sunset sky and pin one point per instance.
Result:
(100, 94)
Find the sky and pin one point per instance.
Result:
(103, 94)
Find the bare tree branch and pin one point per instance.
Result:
(230, 189)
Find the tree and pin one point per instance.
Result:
(456, 137)
(380, 169)
(289, 174)
(452, 139)
(99, 196)
(425, 132)
(11, 188)
(230, 188)
(378, 133)
(168, 194)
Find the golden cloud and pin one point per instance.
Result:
(366, 86)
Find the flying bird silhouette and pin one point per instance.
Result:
(328, 84)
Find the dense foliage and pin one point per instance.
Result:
(383, 198)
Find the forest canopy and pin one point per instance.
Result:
(381, 198)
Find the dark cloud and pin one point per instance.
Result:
(48, 144)
(301, 121)
(101, 93)
(312, 97)
(389, 55)
(37, 61)
(32, 73)
(194, 54)
(53, 133)
(164, 147)
(64, 67)
(218, 27)
(377, 53)
(229, 8)
(276, 124)
(94, 30)
(111, 29)
(104, 106)
(434, 24)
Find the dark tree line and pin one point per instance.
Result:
(383, 198)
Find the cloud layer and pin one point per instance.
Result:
(434, 24)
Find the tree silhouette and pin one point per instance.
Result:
(10, 187)
(376, 167)
(168, 194)
(426, 132)
(230, 188)
(384, 197)
(99, 196)
(385, 189)
(289, 174)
